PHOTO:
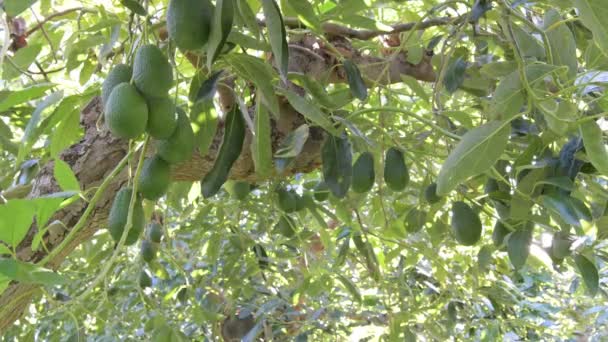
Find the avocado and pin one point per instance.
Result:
(126, 112)
(117, 218)
(415, 220)
(120, 73)
(148, 250)
(430, 194)
(180, 145)
(465, 223)
(154, 178)
(152, 73)
(363, 173)
(499, 233)
(396, 174)
(188, 23)
(162, 117)
(155, 232)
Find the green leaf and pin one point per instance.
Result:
(293, 143)
(518, 247)
(350, 287)
(527, 44)
(561, 206)
(310, 110)
(260, 74)
(16, 217)
(232, 145)
(221, 25)
(415, 87)
(595, 148)
(26, 94)
(208, 87)
(277, 35)
(248, 16)
(355, 82)
(14, 7)
(261, 147)
(508, 97)
(67, 132)
(336, 155)
(561, 41)
(134, 6)
(29, 273)
(454, 75)
(23, 58)
(476, 152)
(204, 119)
(589, 273)
(306, 13)
(65, 176)
(593, 14)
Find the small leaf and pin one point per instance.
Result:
(454, 75)
(293, 143)
(306, 13)
(134, 6)
(14, 7)
(595, 148)
(589, 273)
(16, 217)
(65, 176)
(355, 82)
(221, 25)
(277, 34)
(261, 147)
(29, 273)
(31, 134)
(337, 164)
(310, 110)
(518, 247)
(476, 152)
(209, 87)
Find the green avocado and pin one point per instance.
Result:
(430, 194)
(154, 178)
(155, 232)
(363, 173)
(466, 224)
(148, 250)
(152, 73)
(499, 233)
(120, 73)
(126, 112)
(188, 23)
(162, 117)
(415, 220)
(180, 145)
(396, 174)
(117, 219)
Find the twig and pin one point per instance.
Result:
(58, 14)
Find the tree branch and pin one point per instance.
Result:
(56, 15)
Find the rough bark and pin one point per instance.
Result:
(95, 156)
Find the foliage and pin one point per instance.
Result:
(513, 126)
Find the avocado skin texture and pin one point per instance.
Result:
(117, 219)
(188, 23)
(154, 178)
(465, 223)
(152, 73)
(155, 232)
(126, 112)
(396, 174)
(430, 194)
(148, 251)
(180, 145)
(363, 173)
(120, 73)
(162, 117)
(321, 192)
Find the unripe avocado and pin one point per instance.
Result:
(117, 219)
(430, 194)
(155, 232)
(321, 192)
(396, 174)
(415, 220)
(560, 246)
(152, 73)
(148, 250)
(465, 223)
(363, 173)
(144, 279)
(499, 233)
(188, 23)
(154, 178)
(180, 145)
(162, 117)
(126, 112)
(120, 73)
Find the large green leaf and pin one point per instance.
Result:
(518, 247)
(310, 110)
(14, 7)
(29, 273)
(508, 97)
(476, 152)
(22, 59)
(23, 95)
(221, 25)
(595, 148)
(561, 41)
(16, 217)
(261, 147)
(593, 14)
(277, 35)
(589, 273)
(337, 164)
(355, 82)
(65, 176)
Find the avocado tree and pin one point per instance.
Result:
(303, 170)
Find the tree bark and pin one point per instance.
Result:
(96, 155)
